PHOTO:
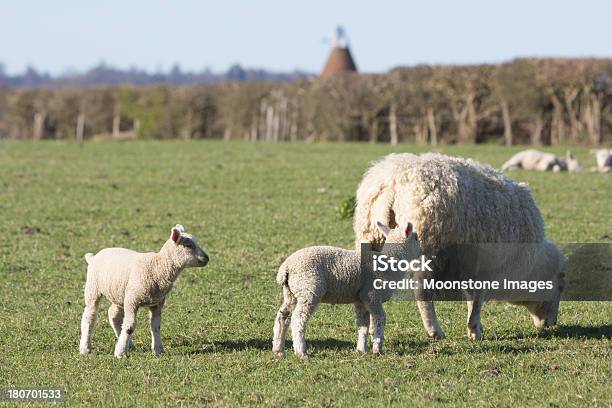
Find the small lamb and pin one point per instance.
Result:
(333, 275)
(132, 279)
(532, 159)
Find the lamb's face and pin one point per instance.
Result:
(402, 239)
(187, 250)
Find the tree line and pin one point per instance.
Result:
(526, 101)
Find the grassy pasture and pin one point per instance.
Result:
(251, 205)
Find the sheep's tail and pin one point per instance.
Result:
(282, 276)
(89, 257)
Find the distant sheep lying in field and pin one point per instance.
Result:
(454, 201)
(334, 275)
(132, 279)
(532, 159)
(603, 157)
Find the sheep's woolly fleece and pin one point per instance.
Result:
(449, 200)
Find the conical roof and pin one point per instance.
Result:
(339, 60)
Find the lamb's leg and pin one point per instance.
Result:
(127, 328)
(378, 319)
(115, 318)
(362, 318)
(430, 320)
(299, 318)
(281, 322)
(88, 320)
(155, 313)
(474, 327)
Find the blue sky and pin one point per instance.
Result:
(283, 35)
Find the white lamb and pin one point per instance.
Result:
(454, 202)
(532, 159)
(334, 275)
(603, 158)
(132, 279)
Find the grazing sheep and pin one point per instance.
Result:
(532, 159)
(451, 201)
(603, 158)
(132, 279)
(334, 275)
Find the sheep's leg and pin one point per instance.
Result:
(127, 328)
(87, 321)
(155, 313)
(474, 327)
(378, 319)
(281, 322)
(299, 318)
(362, 318)
(115, 318)
(430, 320)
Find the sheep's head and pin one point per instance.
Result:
(544, 314)
(186, 251)
(400, 239)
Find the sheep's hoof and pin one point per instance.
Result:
(437, 335)
(158, 351)
(279, 353)
(303, 356)
(362, 349)
(131, 345)
(474, 333)
(120, 353)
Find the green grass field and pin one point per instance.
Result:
(251, 205)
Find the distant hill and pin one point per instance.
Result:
(104, 75)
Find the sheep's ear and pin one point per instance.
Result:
(179, 227)
(383, 228)
(175, 235)
(408, 229)
(569, 155)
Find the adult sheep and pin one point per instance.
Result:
(453, 201)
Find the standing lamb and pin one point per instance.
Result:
(603, 158)
(454, 201)
(132, 279)
(334, 275)
(532, 159)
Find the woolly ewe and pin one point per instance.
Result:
(455, 201)
(333, 275)
(132, 279)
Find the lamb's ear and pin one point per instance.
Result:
(569, 155)
(179, 227)
(383, 228)
(408, 229)
(175, 235)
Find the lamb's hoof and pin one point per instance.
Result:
(303, 356)
(362, 350)
(279, 353)
(120, 353)
(377, 352)
(85, 350)
(158, 351)
(131, 345)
